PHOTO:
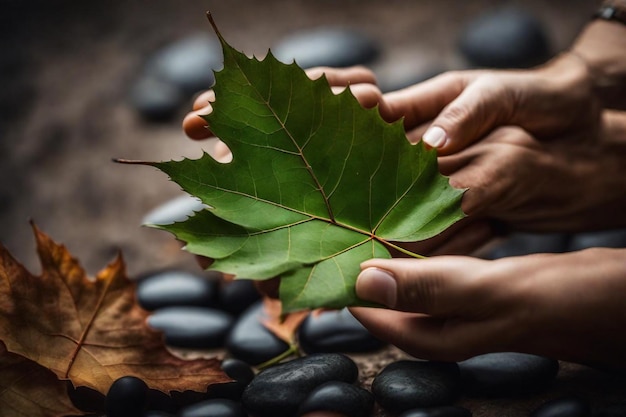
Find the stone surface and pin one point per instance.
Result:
(612, 410)
(340, 397)
(563, 407)
(192, 327)
(336, 331)
(187, 63)
(177, 209)
(327, 46)
(250, 341)
(526, 243)
(404, 385)
(507, 374)
(236, 296)
(604, 239)
(505, 38)
(176, 288)
(443, 411)
(279, 390)
(126, 397)
(155, 100)
(219, 407)
(241, 373)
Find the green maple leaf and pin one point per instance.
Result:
(317, 184)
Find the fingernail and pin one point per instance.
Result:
(435, 137)
(377, 285)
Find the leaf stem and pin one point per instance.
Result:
(292, 350)
(405, 251)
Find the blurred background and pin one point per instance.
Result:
(84, 82)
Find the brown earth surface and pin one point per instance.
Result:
(64, 113)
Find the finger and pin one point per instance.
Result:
(438, 286)
(422, 102)
(343, 76)
(485, 104)
(194, 125)
(221, 152)
(203, 99)
(431, 338)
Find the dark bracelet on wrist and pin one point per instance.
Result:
(612, 10)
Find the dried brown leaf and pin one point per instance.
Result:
(20, 397)
(88, 331)
(283, 326)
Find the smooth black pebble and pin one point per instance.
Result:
(336, 331)
(604, 239)
(526, 243)
(241, 373)
(156, 100)
(218, 407)
(407, 384)
(404, 385)
(188, 63)
(327, 46)
(192, 327)
(611, 410)
(279, 390)
(443, 411)
(177, 288)
(126, 397)
(237, 295)
(505, 38)
(250, 341)
(507, 374)
(340, 397)
(563, 407)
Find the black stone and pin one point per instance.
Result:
(405, 385)
(219, 407)
(507, 374)
(192, 327)
(187, 64)
(236, 296)
(611, 410)
(340, 397)
(603, 239)
(520, 244)
(175, 210)
(240, 372)
(252, 342)
(336, 331)
(505, 38)
(126, 397)
(327, 46)
(443, 411)
(156, 100)
(160, 401)
(563, 407)
(85, 399)
(279, 390)
(157, 413)
(176, 288)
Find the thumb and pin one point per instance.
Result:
(485, 104)
(436, 286)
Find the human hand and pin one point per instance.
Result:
(457, 108)
(565, 306)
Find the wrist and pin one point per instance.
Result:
(601, 46)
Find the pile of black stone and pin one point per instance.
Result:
(504, 38)
(203, 312)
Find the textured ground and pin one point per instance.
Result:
(66, 67)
